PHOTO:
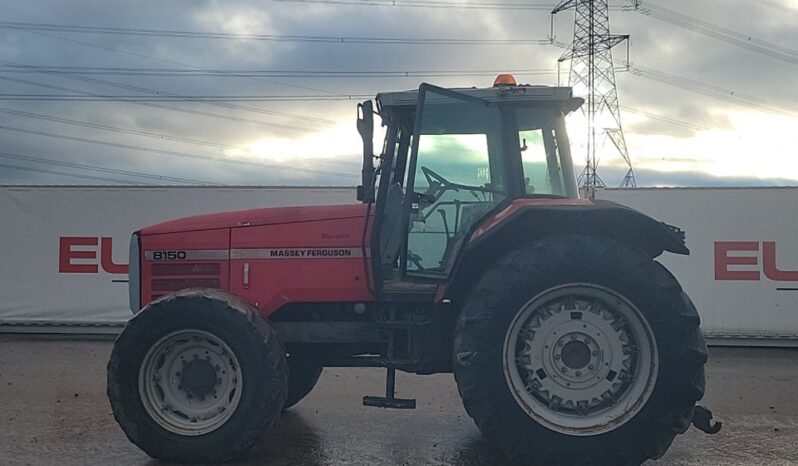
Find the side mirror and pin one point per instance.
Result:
(365, 126)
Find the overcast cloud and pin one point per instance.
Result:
(711, 142)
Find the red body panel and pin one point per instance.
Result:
(256, 217)
(308, 276)
(269, 257)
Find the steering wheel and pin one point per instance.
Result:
(438, 185)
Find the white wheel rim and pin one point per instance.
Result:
(580, 359)
(190, 382)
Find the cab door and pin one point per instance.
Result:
(455, 176)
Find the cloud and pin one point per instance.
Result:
(654, 44)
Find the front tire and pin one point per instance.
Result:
(578, 350)
(302, 377)
(197, 376)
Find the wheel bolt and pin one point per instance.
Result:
(591, 367)
(557, 357)
(564, 370)
(578, 373)
(594, 353)
(218, 380)
(573, 336)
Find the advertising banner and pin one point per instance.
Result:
(65, 248)
(742, 271)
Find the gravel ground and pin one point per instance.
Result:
(53, 410)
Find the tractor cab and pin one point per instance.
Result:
(450, 158)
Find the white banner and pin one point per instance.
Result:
(742, 271)
(64, 249)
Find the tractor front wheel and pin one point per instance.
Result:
(578, 350)
(197, 377)
(302, 377)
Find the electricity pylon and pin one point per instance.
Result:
(592, 76)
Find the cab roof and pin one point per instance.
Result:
(522, 94)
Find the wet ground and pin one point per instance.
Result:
(53, 410)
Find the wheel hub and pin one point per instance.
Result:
(190, 382)
(198, 378)
(576, 354)
(580, 359)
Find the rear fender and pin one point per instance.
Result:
(525, 222)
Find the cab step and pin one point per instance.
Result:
(389, 400)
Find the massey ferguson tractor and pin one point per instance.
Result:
(470, 253)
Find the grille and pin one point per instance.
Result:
(168, 278)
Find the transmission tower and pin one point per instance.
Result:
(592, 76)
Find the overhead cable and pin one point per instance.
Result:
(730, 36)
(778, 6)
(673, 121)
(176, 153)
(122, 71)
(711, 90)
(74, 175)
(95, 168)
(438, 4)
(145, 90)
(90, 96)
(150, 134)
(161, 33)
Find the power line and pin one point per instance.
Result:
(93, 97)
(777, 5)
(437, 4)
(145, 90)
(208, 98)
(121, 71)
(721, 33)
(711, 90)
(75, 175)
(173, 62)
(9, 155)
(266, 37)
(149, 134)
(175, 153)
(673, 121)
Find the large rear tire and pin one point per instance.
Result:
(197, 377)
(578, 350)
(302, 377)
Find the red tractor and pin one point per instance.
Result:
(471, 253)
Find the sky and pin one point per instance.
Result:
(731, 119)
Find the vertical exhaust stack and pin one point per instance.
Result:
(365, 126)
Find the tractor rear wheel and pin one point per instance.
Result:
(579, 350)
(302, 377)
(197, 376)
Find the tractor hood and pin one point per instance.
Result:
(255, 217)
